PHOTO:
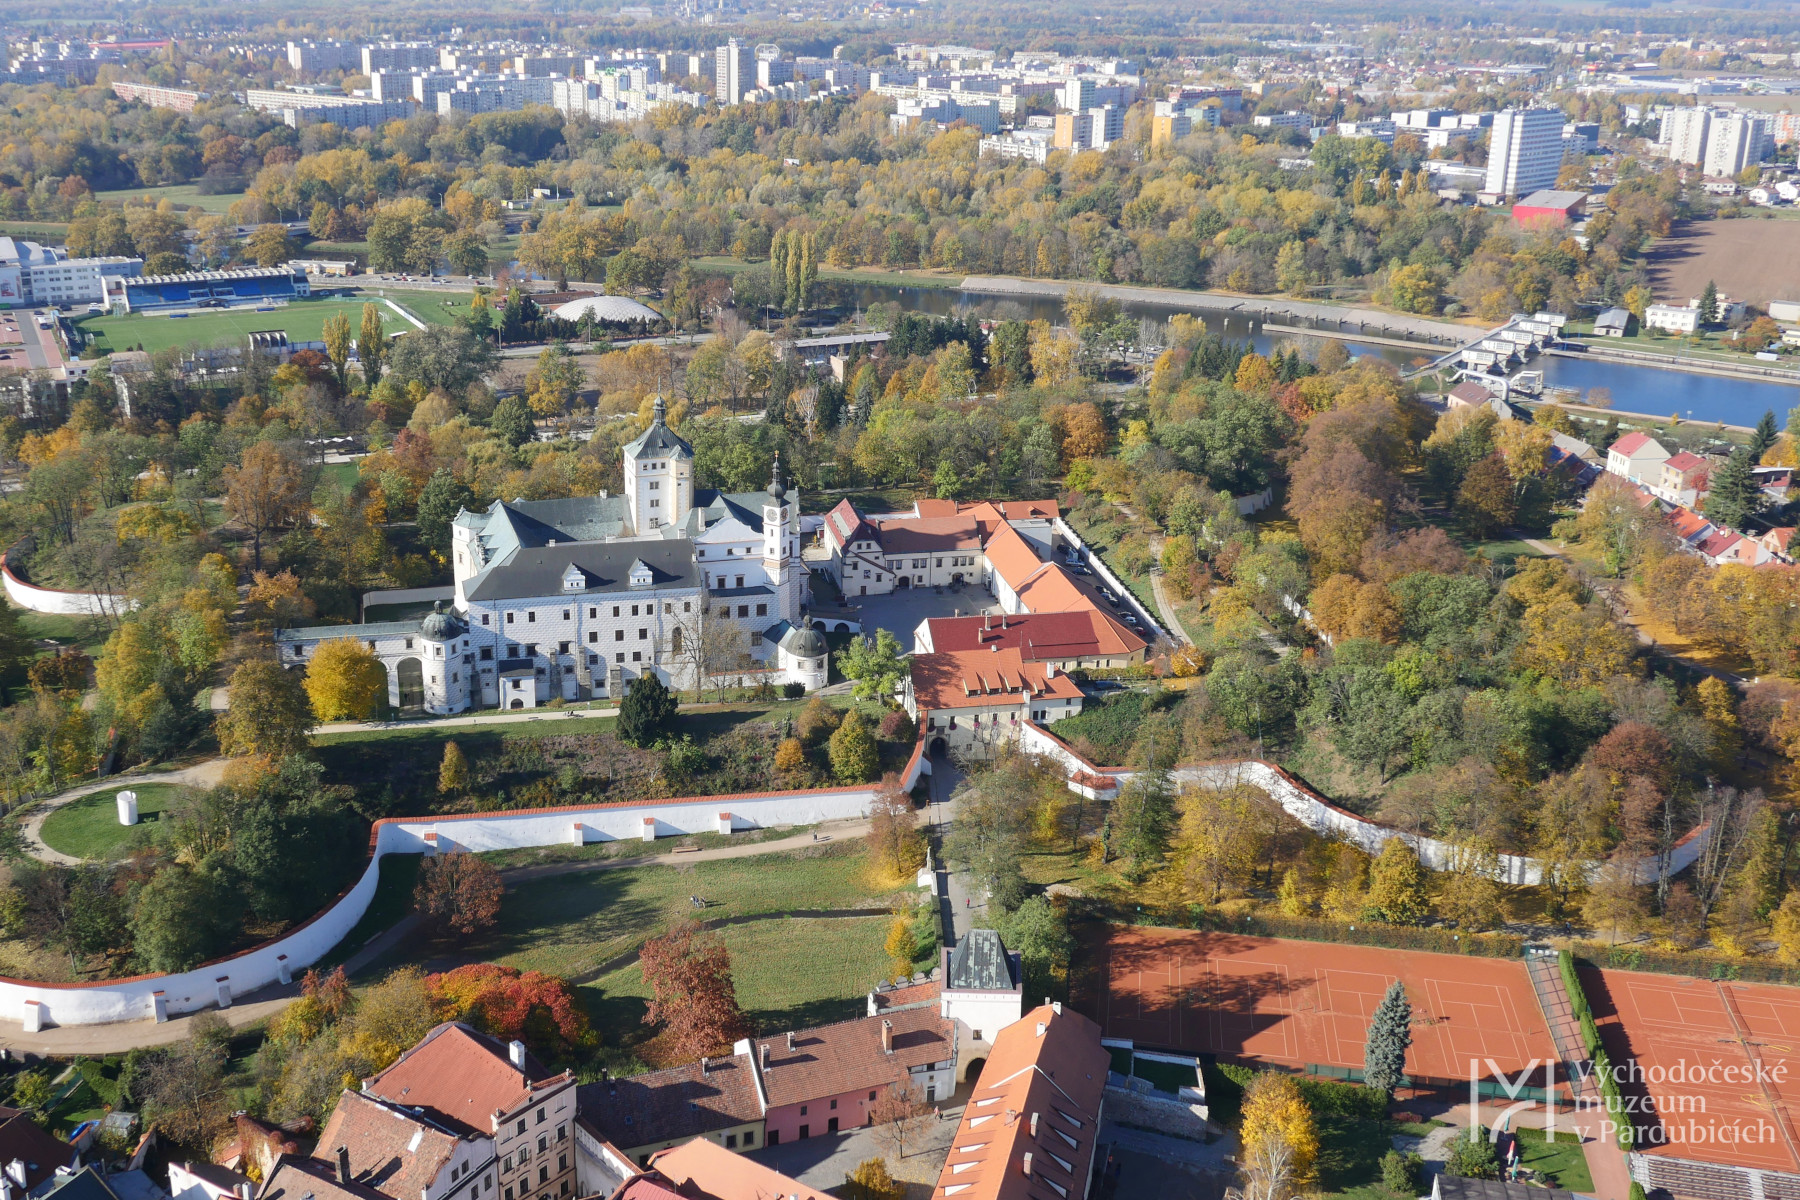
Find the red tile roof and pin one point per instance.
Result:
(1685, 461)
(681, 1102)
(914, 535)
(704, 1170)
(392, 1151)
(461, 1078)
(1082, 633)
(1011, 556)
(1630, 444)
(847, 1056)
(846, 524)
(300, 1178)
(1038, 1095)
(984, 679)
(1719, 543)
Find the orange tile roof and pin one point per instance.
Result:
(1011, 556)
(705, 1170)
(847, 1057)
(929, 506)
(395, 1152)
(919, 535)
(1052, 589)
(984, 679)
(1082, 633)
(461, 1078)
(1028, 1129)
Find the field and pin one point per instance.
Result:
(1307, 1004)
(89, 827)
(1701, 1046)
(304, 321)
(1748, 260)
(181, 195)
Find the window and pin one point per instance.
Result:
(509, 617)
(562, 1132)
(637, 656)
(543, 1174)
(618, 635)
(871, 1097)
(743, 610)
(687, 606)
(803, 1113)
(593, 635)
(562, 647)
(543, 1139)
(593, 613)
(762, 610)
(675, 641)
(619, 657)
(409, 643)
(521, 1128)
(634, 609)
(643, 635)
(531, 617)
(756, 639)
(749, 1137)
(731, 1141)
(668, 608)
(834, 1104)
(565, 614)
(725, 610)
(740, 581)
(562, 1162)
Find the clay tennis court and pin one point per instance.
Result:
(1697, 1044)
(1309, 1003)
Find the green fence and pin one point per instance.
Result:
(1306, 929)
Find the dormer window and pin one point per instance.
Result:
(641, 575)
(574, 579)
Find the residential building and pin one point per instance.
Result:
(1380, 130)
(1083, 639)
(1090, 129)
(715, 1099)
(40, 275)
(399, 56)
(700, 1170)
(826, 1079)
(314, 57)
(579, 597)
(1736, 140)
(1612, 322)
(1672, 318)
(973, 702)
(158, 97)
(1683, 131)
(1077, 95)
(31, 1157)
(984, 993)
(938, 543)
(377, 1147)
(208, 1181)
(1029, 1129)
(1682, 478)
(734, 71)
(485, 1091)
(1637, 457)
(1524, 151)
(1549, 206)
(1286, 120)
(1032, 145)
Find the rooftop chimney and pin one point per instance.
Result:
(15, 1171)
(1025, 1163)
(765, 1056)
(790, 1039)
(1041, 1027)
(1056, 1007)
(1034, 1118)
(705, 1063)
(515, 1050)
(887, 1037)
(343, 1164)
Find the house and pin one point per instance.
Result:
(1613, 322)
(89, 1184)
(495, 1094)
(1548, 206)
(984, 993)
(208, 1181)
(939, 543)
(702, 1170)
(715, 1099)
(1777, 483)
(973, 701)
(1725, 546)
(1683, 477)
(1029, 1129)
(1691, 527)
(1637, 457)
(831, 1077)
(577, 598)
(1074, 640)
(1672, 318)
(31, 1157)
(1467, 394)
(1779, 542)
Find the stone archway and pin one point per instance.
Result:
(938, 747)
(518, 704)
(412, 683)
(972, 1069)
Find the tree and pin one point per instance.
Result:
(512, 421)
(553, 383)
(467, 252)
(647, 712)
(895, 845)
(897, 1114)
(270, 245)
(1784, 926)
(1221, 837)
(1472, 1157)
(1279, 1137)
(692, 993)
(459, 892)
(182, 918)
(442, 497)
(337, 347)
(266, 492)
(1038, 930)
(371, 343)
(871, 1181)
(445, 357)
(1709, 305)
(790, 758)
(1735, 496)
(1142, 816)
(541, 1010)
(1390, 1033)
(877, 669)
(346, 682)
(1397, 891)
(1763, 437)
(185, 1093)
(992, 829)
(453, 771)
(18, 655)
(270, 713)
(1486, 501)
(901, 947)
(167, 262)
(855, 758)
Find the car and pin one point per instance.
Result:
(1082, 569)
(1130, 620)
(1107, 594)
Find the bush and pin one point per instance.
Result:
(792, 691)
(647, 711)
(1344, 1099)
(818, 721)
(898, 727)
(1471, 1160)
(1400, 1173)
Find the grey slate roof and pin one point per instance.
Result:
(658, 441)
(1446, 1187)
(980, 963)
(373, 629)
(529, 572)
(712, 506)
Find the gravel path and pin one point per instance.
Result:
(204, 774)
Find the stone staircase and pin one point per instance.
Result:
(1559, 1014)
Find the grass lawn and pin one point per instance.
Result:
(36, 231)
(844, 959)
(532, 856)
(89, 827)
(86, 632)
(1561, 1160)
(392, 901)
(433, 308)
(719, 264)
(304, 321)
(340, 250)
(343, 474)
(181, 195)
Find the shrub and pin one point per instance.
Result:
(897, 726)
(1400, 1173)
(790, 757)
(818, 720)
(647, 711)
(792, 691)
(1471, 1159)
(854, 757)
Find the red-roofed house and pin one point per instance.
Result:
(939, 543)
(1029, 1128)
(1084, 637)
(701, 1170)
(1637, 457)
(1682, 478)
(1779, 542)
(470, 1083)
(974, 700)
(1691, 527)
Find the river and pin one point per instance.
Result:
(1637, 389)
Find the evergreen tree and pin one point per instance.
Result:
(1390, 1033)
(1734, 497)
(1763, 437)
(646, 713)
(1709, 305)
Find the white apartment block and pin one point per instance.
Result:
(313, 57)
(734, 72)
(1736, 140)
(399, 56)
(1525, 151)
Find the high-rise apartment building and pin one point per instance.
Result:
(734, 72)
(1684, 132)
(1525, 150)
(1735, 140)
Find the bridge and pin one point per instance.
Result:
(1521, 337)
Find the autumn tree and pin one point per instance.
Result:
(855, 758)
(458, 892)
(896, 848)
(897, 1114)
(336, 335)
(345, 681)
(552, 384)
(453, 771)
(540, 1010)
(1397, 892)
(270, 245)
(270, 713)
(1485, 501)
(1219, 840)
(1279, 1139)
(371, 344)
(871, 1181)
(692, 993)
(266, 492)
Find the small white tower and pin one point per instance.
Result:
(659, 476)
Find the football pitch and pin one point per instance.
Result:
(303, 321)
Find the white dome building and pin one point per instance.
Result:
(802, 654)
(615, 309)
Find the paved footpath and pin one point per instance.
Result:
(204, 774)
(266, 1002)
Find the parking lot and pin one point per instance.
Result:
(901, 612)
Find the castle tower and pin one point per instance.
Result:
(659, 476)
(781, 545)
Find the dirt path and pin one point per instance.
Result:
(204, 774)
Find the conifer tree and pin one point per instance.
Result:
(1764, 436)
(1390, 1033)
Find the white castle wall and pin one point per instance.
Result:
(156, 997)
(55, 600)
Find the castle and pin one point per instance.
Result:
(575, 599)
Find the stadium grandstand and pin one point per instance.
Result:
(207, 289)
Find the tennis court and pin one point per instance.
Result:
(1715, 1064)
(1308, 1004)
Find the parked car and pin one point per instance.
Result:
(1130, 620)
(1107, 594)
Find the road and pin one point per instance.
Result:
(958, 903)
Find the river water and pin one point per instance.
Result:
(1634, 388)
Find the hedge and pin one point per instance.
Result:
(1307, 929)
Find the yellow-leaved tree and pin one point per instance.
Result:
(1280, 1139)
(345, 681)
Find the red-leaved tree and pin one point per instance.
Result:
(459, 892)
(540, 1010)
(692, 995)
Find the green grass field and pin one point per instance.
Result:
(181, 195)
(1563, 1161)
(88, 633)
(36, 231)
(304, 321)
(429, 307)
(89, 827)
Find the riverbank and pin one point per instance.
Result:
(1649, 419)
(1271, 328)
(1597, 352)
(719, 264)
(1334, 317)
